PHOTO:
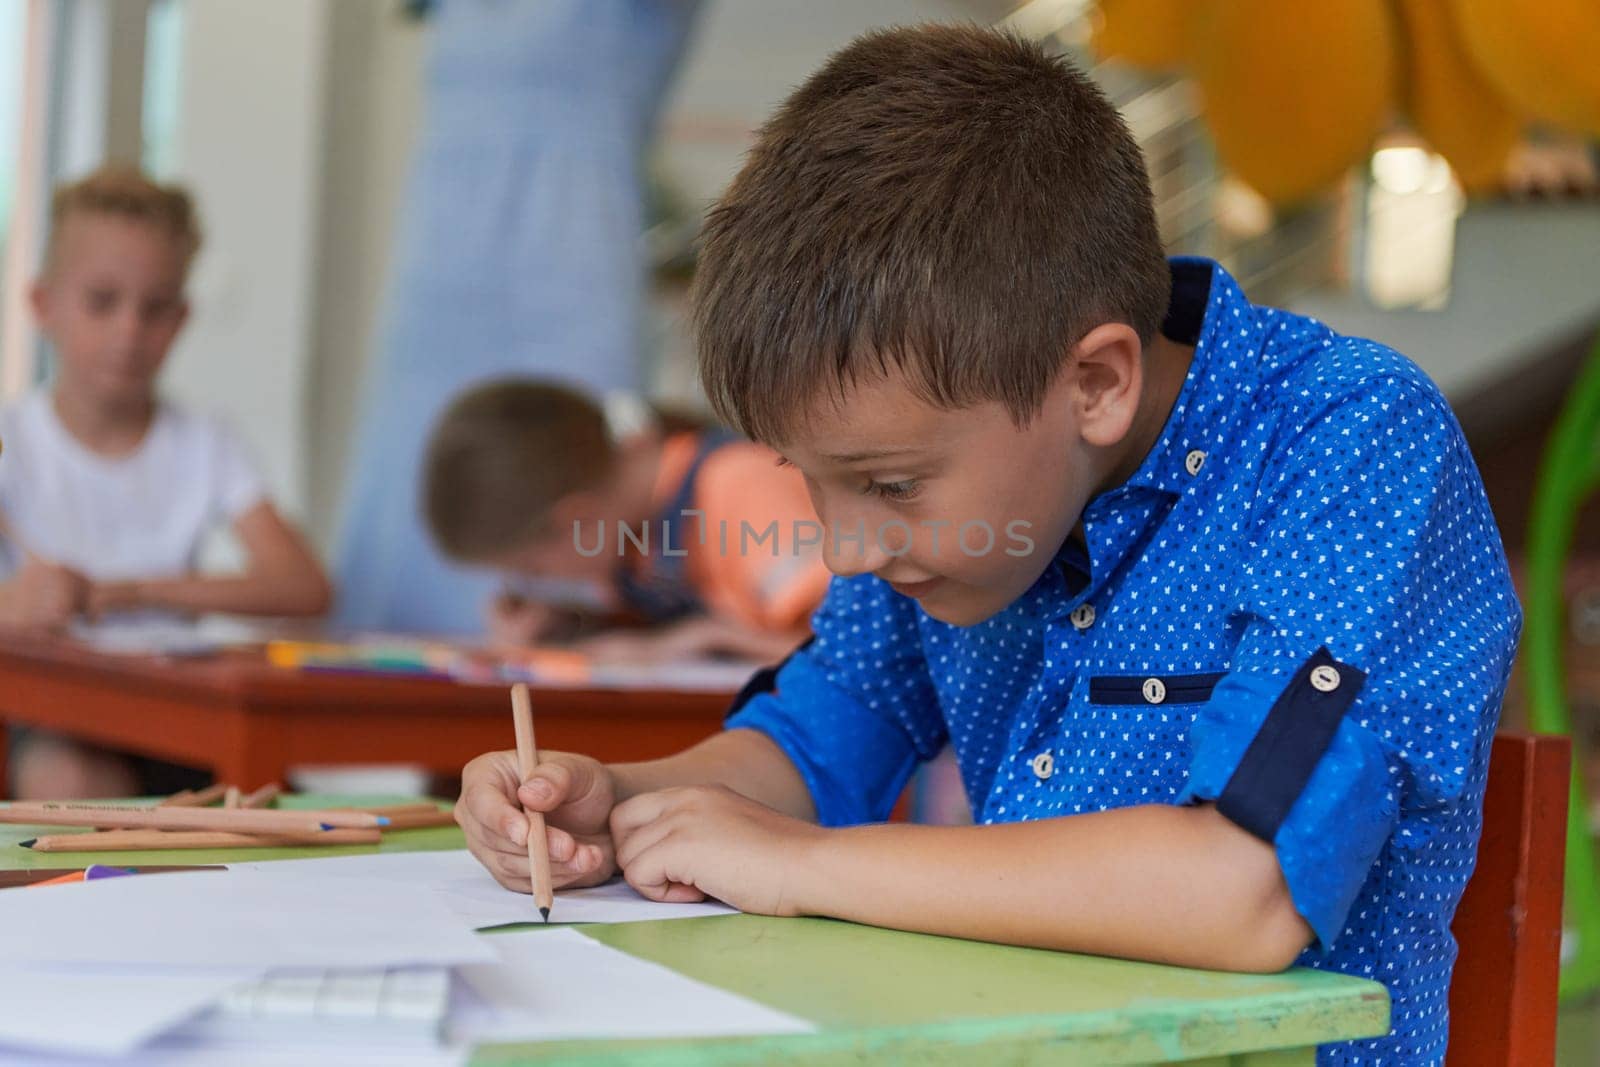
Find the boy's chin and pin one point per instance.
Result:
(963, 608)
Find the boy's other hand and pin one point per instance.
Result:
(515, 621)
(575, 793)
(686, 844)
(47, 594)
(106, 598)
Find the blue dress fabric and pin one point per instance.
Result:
(1307, 565)
(518, 252)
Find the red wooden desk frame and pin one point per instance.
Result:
(249, 722)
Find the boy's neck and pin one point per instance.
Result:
(1166, 366)
(104, 429)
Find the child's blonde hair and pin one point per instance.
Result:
(127, 192)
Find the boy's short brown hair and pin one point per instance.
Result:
(947, 200)
(501, 456)
(127, 192)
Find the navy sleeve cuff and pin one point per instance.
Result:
(1287, 764)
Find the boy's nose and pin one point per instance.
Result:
(849, 549)
(129, 327)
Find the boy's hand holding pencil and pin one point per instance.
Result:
(575, 794)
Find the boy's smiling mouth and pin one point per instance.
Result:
(915, 590)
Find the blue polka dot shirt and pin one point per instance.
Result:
(1298, 608)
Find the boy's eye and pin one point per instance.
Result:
(897, 491)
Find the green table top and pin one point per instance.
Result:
(883, 994)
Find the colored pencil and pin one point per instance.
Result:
(231, 798)
(18, 879)
(242, 820)
(527, 760)
(93, 873)
(142, 840)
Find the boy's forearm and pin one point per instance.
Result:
(231, 594)
(1167, 884)
(745, 761)
(10, 613)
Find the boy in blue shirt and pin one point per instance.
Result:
(1206, 597)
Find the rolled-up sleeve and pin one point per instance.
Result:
(1377, 627)
(853, 710)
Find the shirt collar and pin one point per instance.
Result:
(1209, 311)
(1207, 308)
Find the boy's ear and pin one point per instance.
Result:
(1108, 376)
(39, 300)
(580, 505)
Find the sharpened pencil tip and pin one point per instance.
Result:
(383, 820)
(546, 913)
(28, 843)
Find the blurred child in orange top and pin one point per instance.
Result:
(691, 538)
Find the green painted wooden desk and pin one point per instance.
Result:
(879, 995)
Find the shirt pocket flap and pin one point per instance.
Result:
(1153, 688)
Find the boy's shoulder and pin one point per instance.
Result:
(1306, 371)
(1272, 368)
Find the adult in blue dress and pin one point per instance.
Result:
(518, 252)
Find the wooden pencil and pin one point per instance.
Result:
(230, 799)
(242, 820)
(141, 840)
(414, 808)
(418, 820)
(527, 760)
(194, 798)
(262, 797)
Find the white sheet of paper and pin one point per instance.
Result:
(556, 984)
(178, 1052)
(101, 1011)
(159, 635)
(234, 919)
(473, 894)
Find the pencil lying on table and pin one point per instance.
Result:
(527, 760)
(415, 807)
(191, 798)
(140, 840)
(241, 820)
(261, 797)
(420, 820)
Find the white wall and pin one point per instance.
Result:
(250, 145)
(1524, 279)
(748, 55)
(373, 111)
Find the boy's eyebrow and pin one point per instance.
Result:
(866, 454)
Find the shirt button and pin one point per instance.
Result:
(1044, 765)
(1155, 690)
(1194, 461)
(1082, 616)
(1324, 678)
